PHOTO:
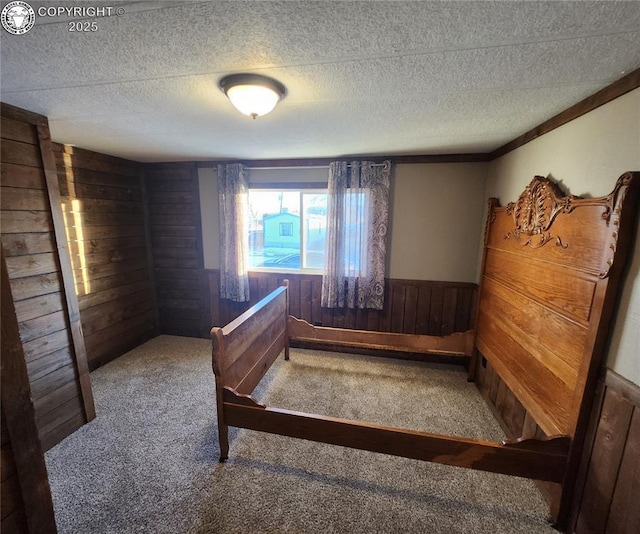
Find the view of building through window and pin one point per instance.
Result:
(287, 229)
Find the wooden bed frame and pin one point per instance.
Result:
(551, 268)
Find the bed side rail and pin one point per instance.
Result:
(541, 459)
(458, 344)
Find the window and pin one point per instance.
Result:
(287, 229)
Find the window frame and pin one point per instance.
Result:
(285, 229)
(302, 188)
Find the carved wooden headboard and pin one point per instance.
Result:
(552, 264)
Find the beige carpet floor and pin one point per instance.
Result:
(149, 462)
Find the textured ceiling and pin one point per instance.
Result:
(362, 77)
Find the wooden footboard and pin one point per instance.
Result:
(244, 350)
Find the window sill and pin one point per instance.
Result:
(285, 271)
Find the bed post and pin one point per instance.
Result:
(223, 429)
(475, 356)
(285, 283)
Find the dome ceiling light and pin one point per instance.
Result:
(252, 94)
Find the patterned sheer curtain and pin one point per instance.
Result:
(356, 244)
(233, 196)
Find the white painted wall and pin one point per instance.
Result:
(587, 155)
(435, 215)
(436, 212)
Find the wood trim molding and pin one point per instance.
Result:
(478, 157)
(171, 165)
(19, 412)
(75, 326)
(324, 162)
(618, 88)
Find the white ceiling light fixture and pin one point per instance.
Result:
(252, 94)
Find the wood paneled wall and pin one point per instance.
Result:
(506, 407)
(411, 306)
(176, 247)
(37, 261)
(103, 206)
(608, 488)
(14, 518)
(514, 419)
(608, 484)
(26, 504)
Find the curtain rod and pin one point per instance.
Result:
(373, 164)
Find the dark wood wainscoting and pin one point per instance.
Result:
(607, 498)
(411, 306)
(608, 484)
(103, 208)
(511, 414)
(514, 420)
(173, 202)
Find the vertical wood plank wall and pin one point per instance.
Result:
(103, 206)
(411, 306)
(514, 419)
(608, 485)
(176, 246)
(506, 407)
(37, 283)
